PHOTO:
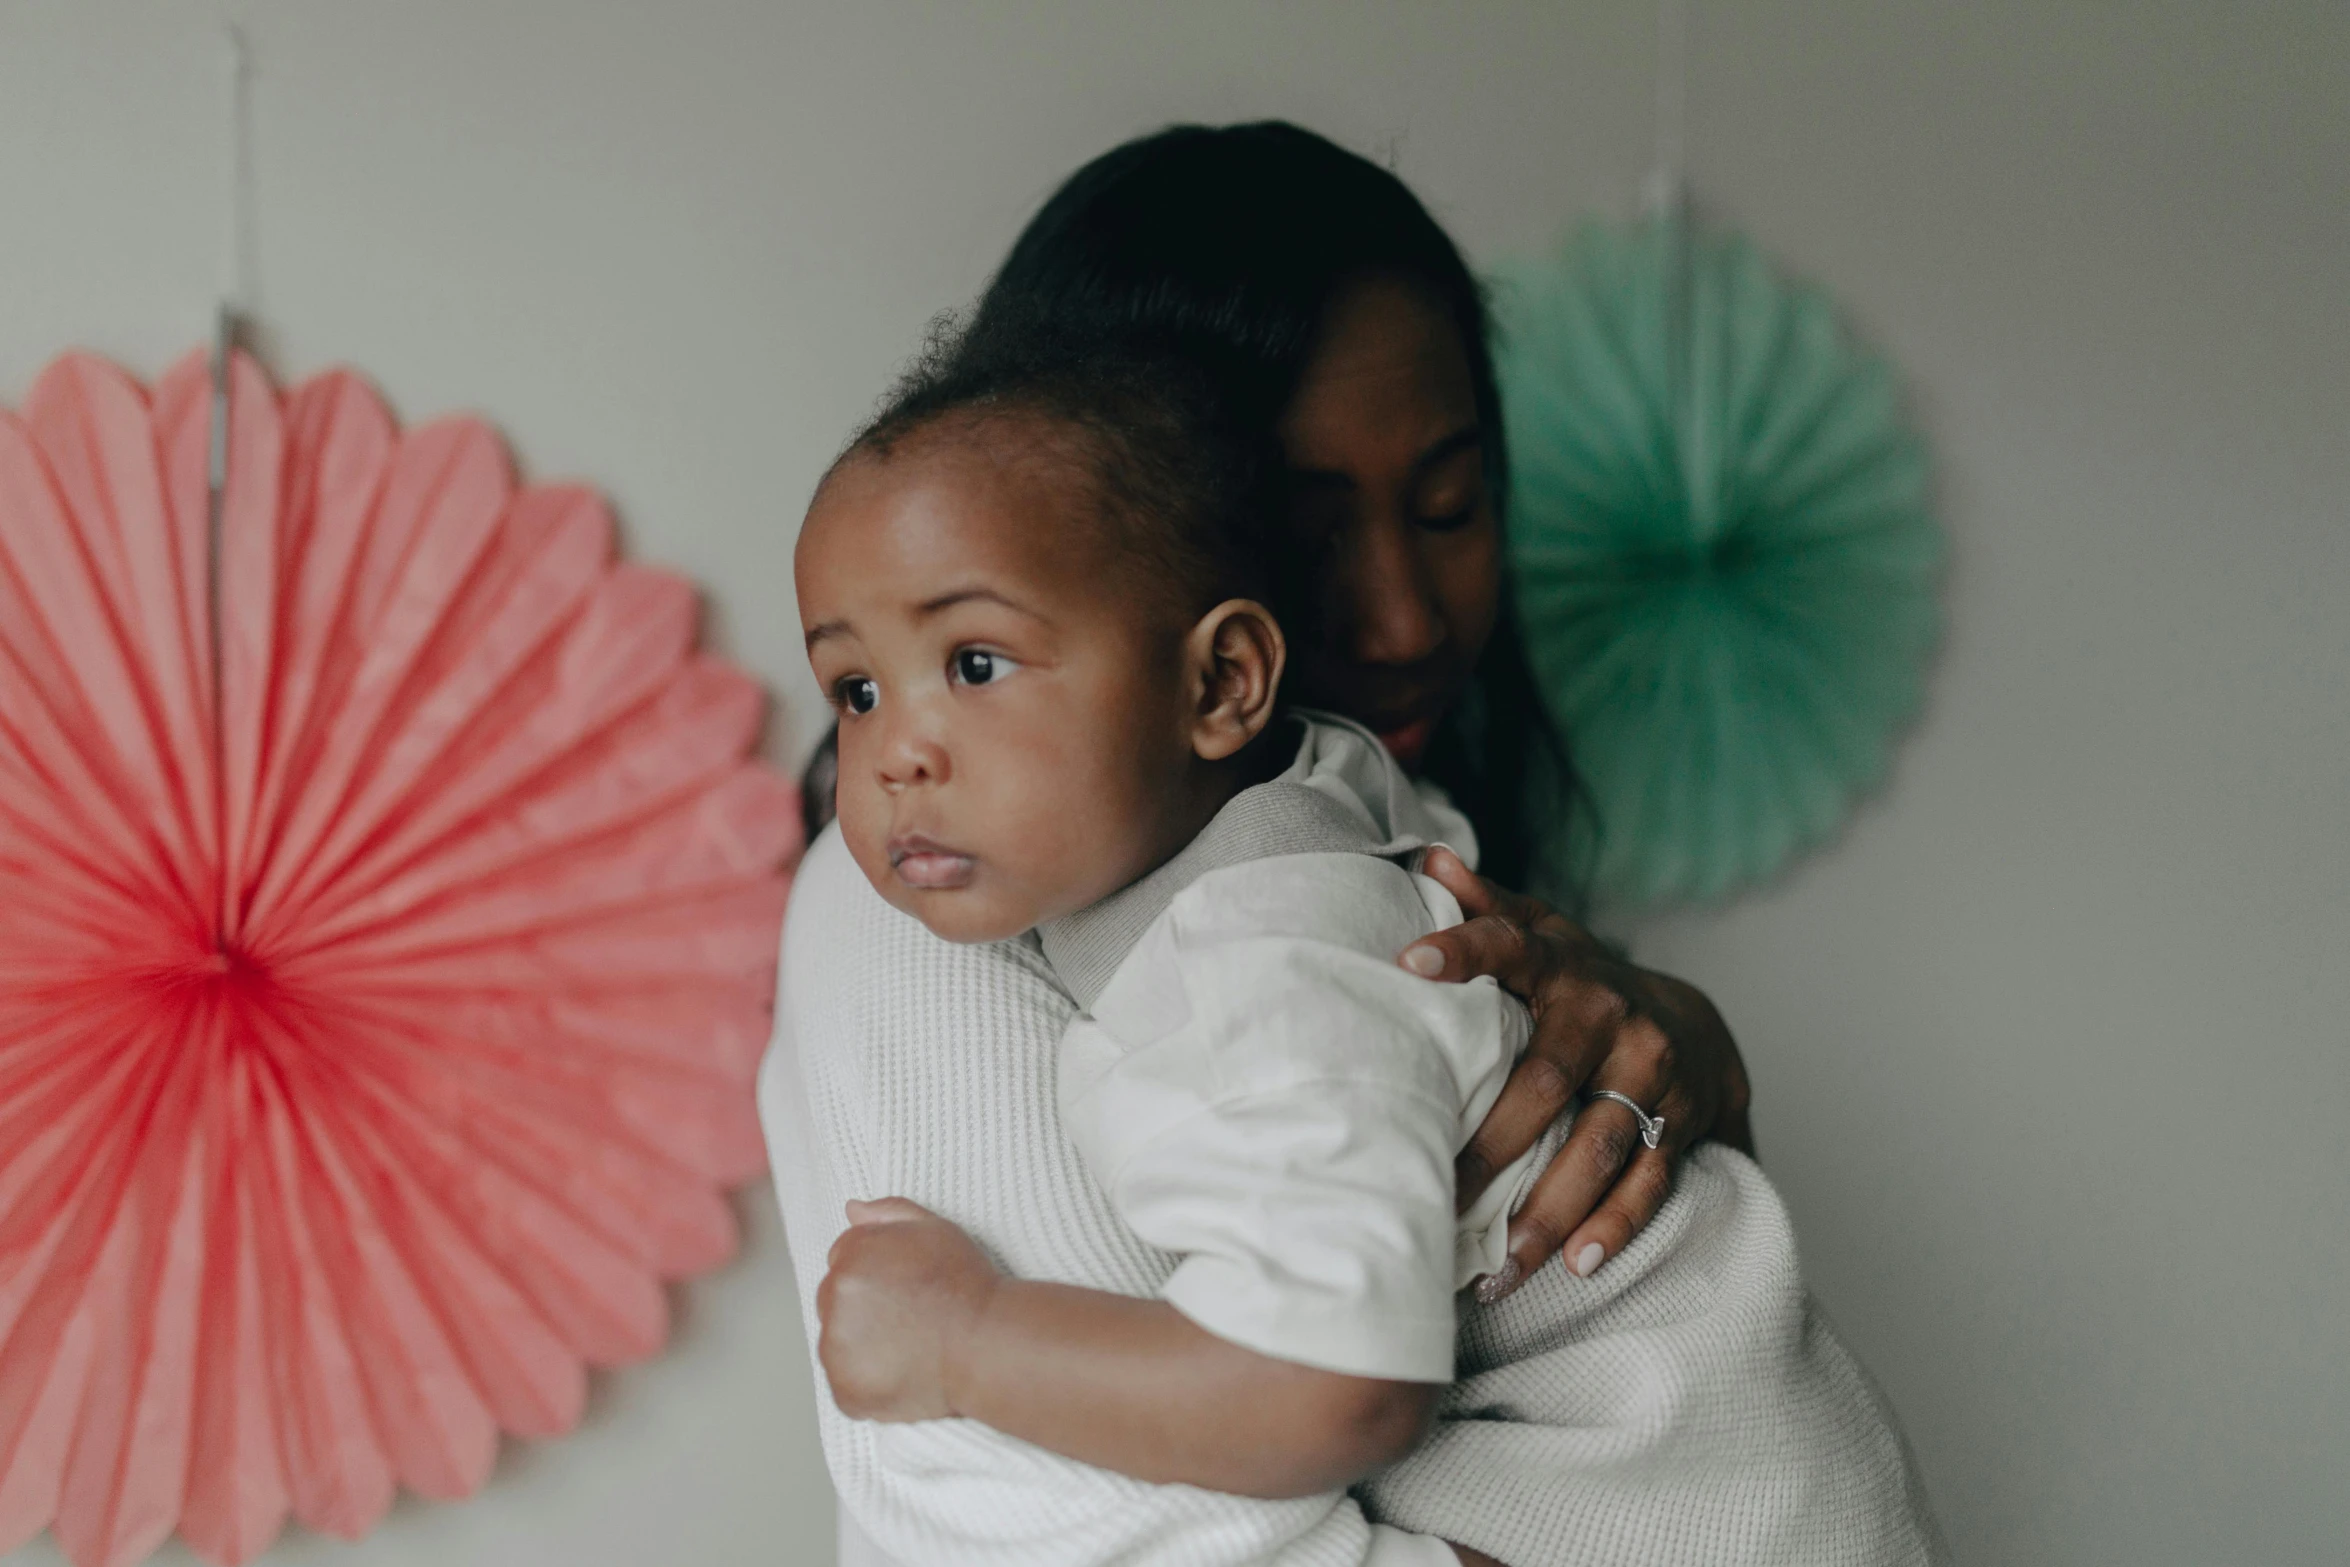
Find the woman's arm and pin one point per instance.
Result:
(918, 1325)
(1599, 1022)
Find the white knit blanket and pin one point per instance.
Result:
(1686, 1405)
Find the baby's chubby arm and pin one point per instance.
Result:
(893, 1044)
(919, 1325)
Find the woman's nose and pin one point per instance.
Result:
(1392, 613)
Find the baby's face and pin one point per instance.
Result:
(1014, 732)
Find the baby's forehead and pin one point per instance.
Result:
(1024, 445)
(1033, 474)
(984, 497)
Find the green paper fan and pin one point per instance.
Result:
(1726, 562)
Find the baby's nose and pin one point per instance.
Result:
(910, 756)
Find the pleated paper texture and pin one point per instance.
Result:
(1727, 560)
(362, 1080)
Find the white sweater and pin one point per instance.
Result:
(906, 1066)
(1687, 1404)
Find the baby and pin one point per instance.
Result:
(1034, 590)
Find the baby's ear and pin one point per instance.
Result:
(1235, 656)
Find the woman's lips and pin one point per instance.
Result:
(1406, 742)
(932, 867)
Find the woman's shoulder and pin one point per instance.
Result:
(827, 886)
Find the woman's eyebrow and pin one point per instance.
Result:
(1467, 438)
(1463, 439)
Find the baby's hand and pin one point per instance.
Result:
(904, 1292)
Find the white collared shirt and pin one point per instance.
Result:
(905, 1065)
(1263, 1092)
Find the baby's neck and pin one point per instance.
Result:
(1203, 794)
(1214, 784)
(1087, 947)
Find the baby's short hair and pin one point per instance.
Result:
(1188, 488)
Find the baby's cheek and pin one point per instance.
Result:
(864, 827)
(1082, 846)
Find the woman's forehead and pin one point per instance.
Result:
(1388, 378)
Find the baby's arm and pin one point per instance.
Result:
(919, 1325)
(1290, 1136)
(891, 1045)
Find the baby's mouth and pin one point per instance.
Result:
(930, 866)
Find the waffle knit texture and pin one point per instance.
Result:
(1687, 1404)
(904, 1065)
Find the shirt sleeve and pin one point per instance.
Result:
(904, 1065)
(1285, 1114)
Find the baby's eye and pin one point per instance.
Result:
(975, 668)
(857, 695)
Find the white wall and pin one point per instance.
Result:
(2051, 1046)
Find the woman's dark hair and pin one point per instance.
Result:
(1223, 247)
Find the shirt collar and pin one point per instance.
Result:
(1341, 794)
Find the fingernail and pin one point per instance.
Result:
(1499, 1282)
(1589, 1258)
(1426, 962)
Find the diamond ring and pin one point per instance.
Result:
(1652, 1127)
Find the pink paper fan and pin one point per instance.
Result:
(361, 1083)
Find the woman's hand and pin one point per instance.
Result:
(905, 1292)
(1599, 1022)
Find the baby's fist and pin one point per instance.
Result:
(904, 1292)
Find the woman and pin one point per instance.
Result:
(1333, 310)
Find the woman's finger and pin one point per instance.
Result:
(1594, 1154)
(1535, 1095)
(1571, 1038)
(1488, 944)
(1634, 1200)
(1641, 1054)
(1474, 893)
(1600, 1145)
(1471, 891)
(886, 1210)
(1675, 1108)
(1581, 1024)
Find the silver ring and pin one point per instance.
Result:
(1652, 1127)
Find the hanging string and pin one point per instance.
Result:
(236, 290)
(239, 284)
(1669, 207)
(1668, 179)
